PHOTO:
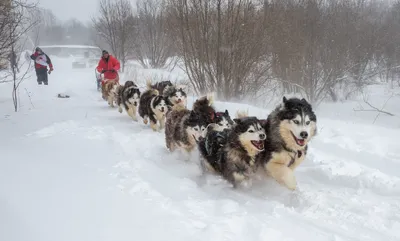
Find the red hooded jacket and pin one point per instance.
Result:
(41, 60)
(111, 64)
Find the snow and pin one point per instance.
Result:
(70, 46)
(75, 169)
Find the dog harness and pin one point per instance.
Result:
(293, 158)
(207, 146)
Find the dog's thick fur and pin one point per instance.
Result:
(232, 152)
(177, 96)
(222, 121)
(289, 129)
(109, 92)
(183, 128)
(204, 106)
(154, 107)
(159, 86)
(129, 98)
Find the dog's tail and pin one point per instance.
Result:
(203, 101)
(154, 92)
(211, 97)
(242, 113)
(148, 84)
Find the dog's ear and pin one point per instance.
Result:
(237, 120)
(284, 99)
(263, 122)
(156, 100)
(212, 115)
(226, 112)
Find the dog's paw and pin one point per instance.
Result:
(289, 180)
(145, 121)
(119, 109)
(239, 177)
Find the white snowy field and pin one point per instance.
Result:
(76, 169)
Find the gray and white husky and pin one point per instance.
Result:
(176, 95)
(183, 129)
(289, 128)
(153, 107)
(128, 98)
(231, 152)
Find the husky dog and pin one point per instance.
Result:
(215, 137)
(154, 107)
(129, 97)
(160, 86)
(222, 121)
(109, 92)
(177, 96)
(234, 152)
(289, 129)
(183, 129)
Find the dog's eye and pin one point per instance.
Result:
(251, 131)
(308, 122)
(219, 124)
(296, 122)
(196, 129)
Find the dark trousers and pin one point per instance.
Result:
(42, 76)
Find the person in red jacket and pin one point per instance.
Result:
(109, 66)
(41, 61)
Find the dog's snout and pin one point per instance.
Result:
(304, 134)
(262, 136)
(135, 103)
(162, 109)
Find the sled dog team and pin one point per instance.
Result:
(238, 149)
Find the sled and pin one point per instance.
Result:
(99, 78)
(62, 96)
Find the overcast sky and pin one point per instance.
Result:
(66, 9)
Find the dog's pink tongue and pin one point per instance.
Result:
(301, 142)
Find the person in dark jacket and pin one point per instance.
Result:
(41, 61)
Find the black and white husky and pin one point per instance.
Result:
(222, 121)
(183, 129)
(176, 95)
(289, 129)
(232, 152)
(154, 107)
(128, 98)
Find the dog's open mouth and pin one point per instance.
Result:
(196, 139)
(300, 142)
(258, 144)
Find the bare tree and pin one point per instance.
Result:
(15, 24)
(221, 45)
(153, 45)
(320, 49)
(115, 24)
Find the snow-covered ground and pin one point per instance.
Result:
(75, 169)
